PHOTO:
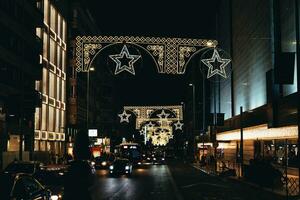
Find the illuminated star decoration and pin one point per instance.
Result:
(211, 71)
(163, 115)
(124, 67)
(178, 125)
(150, 125)
(142, 132)
(124, 117)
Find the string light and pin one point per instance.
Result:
(129, 67)
(178, 125)
(171, 55)
(211, 69)
(124, 117)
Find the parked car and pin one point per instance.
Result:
(121, 166)
(27, 167)
(17, 186)
(53, 178)
(104, 161)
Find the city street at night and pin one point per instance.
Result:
(156, 100)
(175, 181)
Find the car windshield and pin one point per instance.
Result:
(121, 162)
(20, 168)
(6, 182)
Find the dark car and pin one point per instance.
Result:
(53, 178)
(121, 166)
(104, 161)
(29, 167)
(22, 186)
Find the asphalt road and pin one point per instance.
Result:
(175, 181)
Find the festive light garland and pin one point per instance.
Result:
(216, 57)
(129, 67)
(124, 117)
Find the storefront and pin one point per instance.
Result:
(261, 142)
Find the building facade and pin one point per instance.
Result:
(19, 69)
(261, 38)
(89, 94)
(50, 119)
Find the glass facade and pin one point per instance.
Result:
(50, 118)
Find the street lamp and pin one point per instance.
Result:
(194, 116)
(88, 95)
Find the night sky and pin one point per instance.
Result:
(187, 19)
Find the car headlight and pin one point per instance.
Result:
(111, 167)
(104, 163)
(54, 197)
(127, 167)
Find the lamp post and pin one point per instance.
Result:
(88, 96)
(194, 118)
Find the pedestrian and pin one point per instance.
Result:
(80, 177)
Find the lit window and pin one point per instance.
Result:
(52, 85)
(45, 81)
(51, 119)
(45, 45)
(52, 51)
(44, 117)
(53, 18)
(46, 13)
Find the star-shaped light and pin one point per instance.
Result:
(211, 71)
(163, 115)
(150, 125)
(178, 125)
(142, 132)
(124, 117)
(124, 67)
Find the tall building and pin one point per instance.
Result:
(50, 118)
(19, 69)
(89, 94)
(261, 38)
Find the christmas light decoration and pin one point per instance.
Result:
(124, 117)
(170, 55)
(124, 67)
(178, 125)
(163, 115)
(211, 68)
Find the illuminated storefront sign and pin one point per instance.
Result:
(260, 132)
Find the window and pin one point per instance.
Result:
(58, 63)
(52, 81)
(46, 13)
(62, 121)
(44, 117)
(52, 18)
(63, 67)
(57, 121)
(52, 51)
(63, 89)
(37, 118)
(45, 46)
(58, 88)
(51, 119)
(45, 81)
(59, 25)
(64, 31)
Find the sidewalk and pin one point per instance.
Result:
(280, 193)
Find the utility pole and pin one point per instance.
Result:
(298, 78)
(241, 142)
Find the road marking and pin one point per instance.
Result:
(176, 192)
